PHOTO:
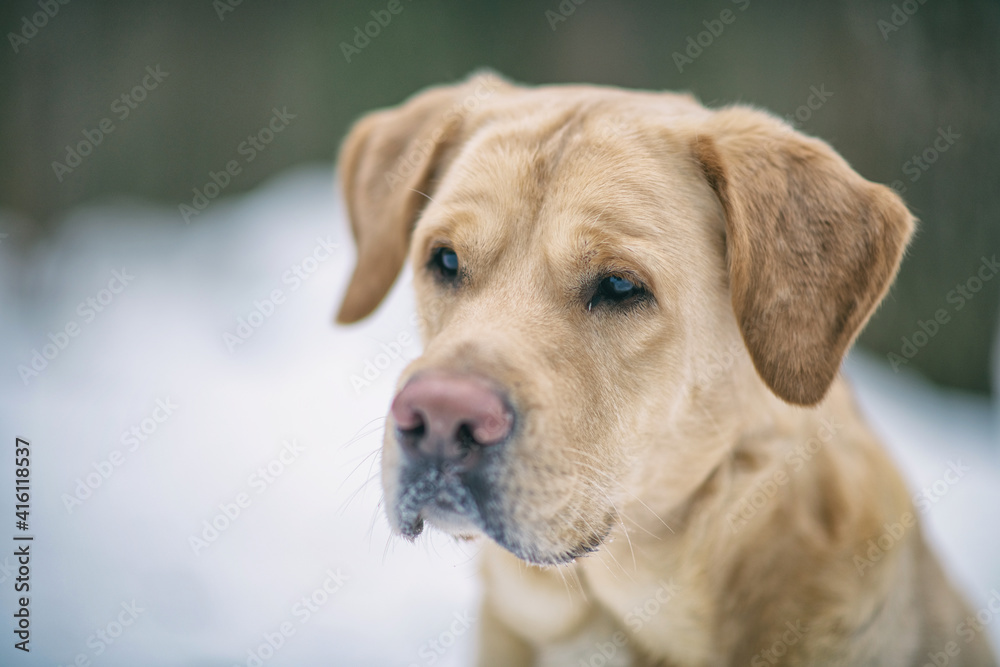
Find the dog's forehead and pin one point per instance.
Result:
(559, 170)
(582, 182)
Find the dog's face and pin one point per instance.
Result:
(581, 257)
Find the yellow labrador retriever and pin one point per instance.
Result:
(634, 311)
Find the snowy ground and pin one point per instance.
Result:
(307, 564)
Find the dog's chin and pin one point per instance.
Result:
(441, 516)
(519, 542)
(531, 550)
(470, 505)
(451, 522)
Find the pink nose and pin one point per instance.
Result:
(448, 415)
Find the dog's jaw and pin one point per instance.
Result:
(469, 506)
(434, 494)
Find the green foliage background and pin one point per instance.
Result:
(892, 92)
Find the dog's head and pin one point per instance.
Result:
(597, 272)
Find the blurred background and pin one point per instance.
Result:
(168, 167)
(894, 77)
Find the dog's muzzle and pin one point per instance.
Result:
(450, 427)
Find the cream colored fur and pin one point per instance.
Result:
(702, 444)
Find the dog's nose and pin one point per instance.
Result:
(450, 416)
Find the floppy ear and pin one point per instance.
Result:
(389, 161)
(811, 246)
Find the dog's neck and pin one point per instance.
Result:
(703, 527)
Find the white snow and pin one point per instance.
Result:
(316, 522)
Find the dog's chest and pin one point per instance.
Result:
(667, 617)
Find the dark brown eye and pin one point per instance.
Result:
(444, 261)
(616, 290)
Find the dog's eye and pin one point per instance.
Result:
(616, 290)
(445, 262)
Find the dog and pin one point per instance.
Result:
(634, 311)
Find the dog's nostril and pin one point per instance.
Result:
(450, 416)
(491, 428)
(465, 438)
(408, 418)
(464, 434)
(411, 431)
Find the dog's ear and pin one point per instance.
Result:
(811, 246)
(389, 165)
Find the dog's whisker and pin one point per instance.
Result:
(628, 538)
(594, 530)
(619, 484)
(385, 551)
(469, 557)
(675, 329)
(618, 564)
(575, 573)
(375, 516)
(639, 526)
(429, 198)
(562, 575)
(618, 514)
(362, 433)
(343, 507)
(371, 475)
(367, 456)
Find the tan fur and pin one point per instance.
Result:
(644, 435)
